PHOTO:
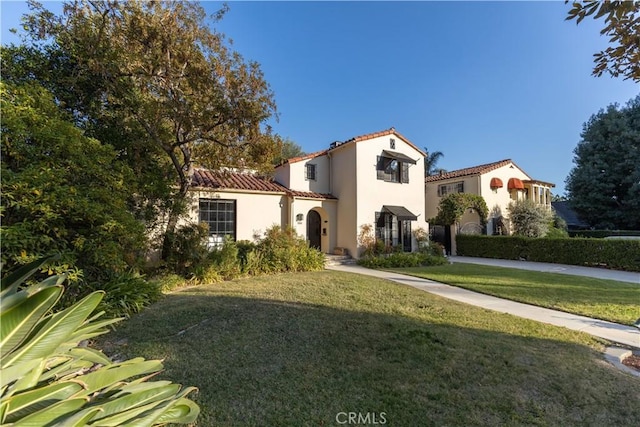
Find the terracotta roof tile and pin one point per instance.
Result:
(226, 180)
(386, 132)
(474, 170)
(305, 157)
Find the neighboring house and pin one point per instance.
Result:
(564, 211)
(499, 183)
(325, 196)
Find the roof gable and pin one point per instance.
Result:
(474, 170)
(368, 136)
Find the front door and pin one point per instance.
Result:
(313, 229)
(406, 236)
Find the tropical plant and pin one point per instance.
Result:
(49, 378)
(430, 161)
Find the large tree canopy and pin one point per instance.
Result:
(622, 26)
(604, 185)
(165, 78)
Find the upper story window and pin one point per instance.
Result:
(392, 144)
(454, 187)
(392, 170)
(310, 172)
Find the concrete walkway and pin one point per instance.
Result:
(610, 331)
(598, 273)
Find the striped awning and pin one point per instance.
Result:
(515, 184)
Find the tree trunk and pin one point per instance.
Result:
(172, 222)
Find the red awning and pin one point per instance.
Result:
(515, 184)
(496, 183)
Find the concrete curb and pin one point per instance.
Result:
(615, 356)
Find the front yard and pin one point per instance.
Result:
(300, 349)
(610, 300)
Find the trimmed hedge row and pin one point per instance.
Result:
(614, 254)
(600, 234)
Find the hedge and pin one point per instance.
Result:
(614, 254)
(600, 234)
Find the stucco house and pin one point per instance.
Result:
(498, 183)
(325, 196)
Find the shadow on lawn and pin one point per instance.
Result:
(270, 362)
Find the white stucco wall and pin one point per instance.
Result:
(255, 212)
(296, 175)
(372, 193)
(328, 217)
(432, 199)
(343, 170)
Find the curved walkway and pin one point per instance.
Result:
(598, 273)
(614, 332)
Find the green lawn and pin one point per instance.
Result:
(297, 349)
(602, 299)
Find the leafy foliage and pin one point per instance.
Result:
(453, 206)
(622, 26)
(529, 219)
(184, 93)
(128, 293)
(617, 254)
(604, 185)
(289, 149)
(48, 378)
(62, 192)
(402, 259)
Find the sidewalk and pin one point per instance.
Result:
(598, 273)
(610, 331)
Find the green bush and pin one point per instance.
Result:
(47, 378)
(127, 294)
(283, 250)
(188, 248)
(600, 234)
(168, 282)
(402, 260)
(616, 254)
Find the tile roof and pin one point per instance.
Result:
(227, 180)
(359, 138)
(386, 132)
(474, 170)
(305, 157)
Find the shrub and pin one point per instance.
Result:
(47, 378)
(282, 250)
(127, 294)
(168, 282)
(402, 260)
(617, 254)
(529, 219)
(189, 248)
(367, 240)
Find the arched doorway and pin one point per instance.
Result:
(313, 229)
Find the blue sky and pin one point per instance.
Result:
(479, 81)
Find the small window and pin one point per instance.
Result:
(454, 187)
(310, 172)
(392, 144)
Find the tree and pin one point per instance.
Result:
(62, 191)
(604, 185)
(166, 73)
(289, 150)
(430, 161)
(529, 219)
(454, 205)
(622, 26)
